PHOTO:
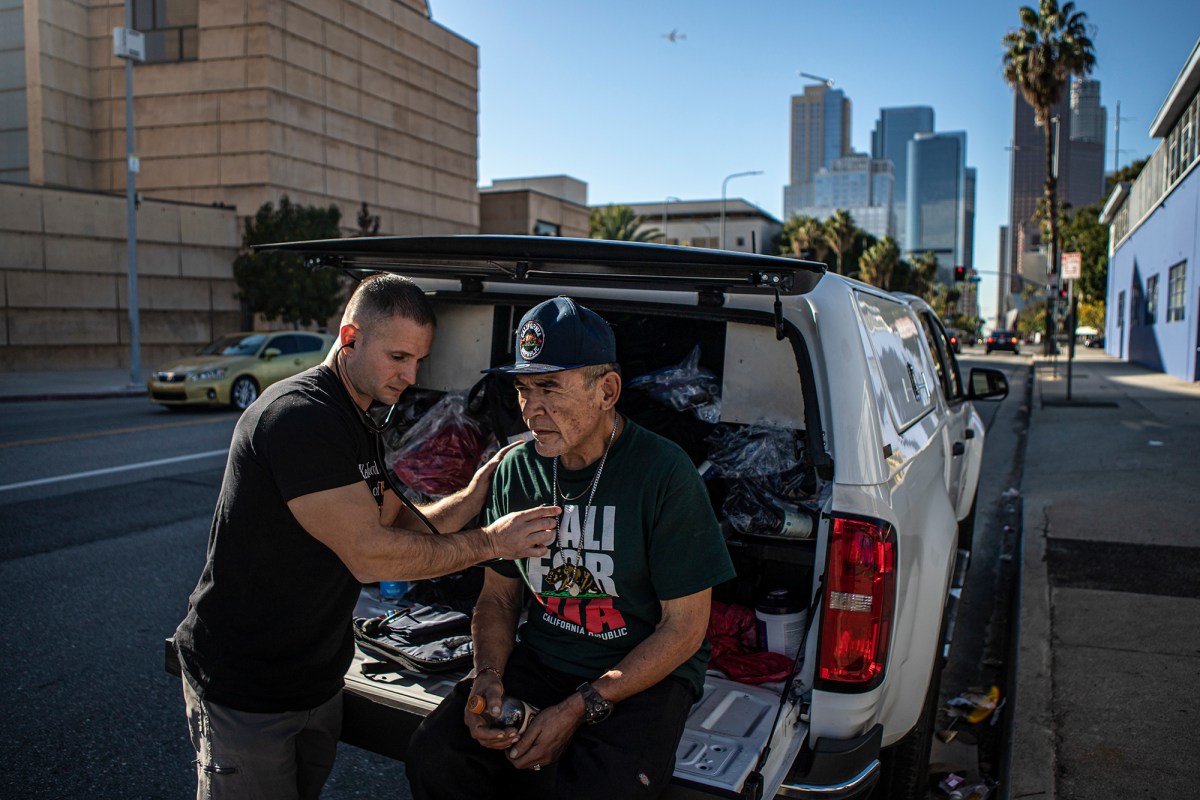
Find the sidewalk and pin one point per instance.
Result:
(80, 384)
(1109, 648)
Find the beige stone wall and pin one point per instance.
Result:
(516, 212)
(58, 92)
(64, 279)
(328, 101)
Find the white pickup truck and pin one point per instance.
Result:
(889, 449)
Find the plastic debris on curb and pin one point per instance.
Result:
(974, 706)
(951, 782)
(1011, 494)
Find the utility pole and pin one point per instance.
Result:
(130, 45)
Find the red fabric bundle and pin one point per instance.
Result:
(732, 634)
(441, 452)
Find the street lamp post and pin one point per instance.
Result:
(1050, 347)
(129, 44)
(724, 184)
(666, 203)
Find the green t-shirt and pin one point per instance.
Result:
(650, 536)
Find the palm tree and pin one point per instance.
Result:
(879, 263)
(1039, 59)
(840, 232)
(805, 237)
(922, 276)
(619, 223)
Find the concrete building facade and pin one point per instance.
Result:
(64, 292)
(861, 185)
(547, 206)
(241, 101)
(1153, 298)
(697, 223)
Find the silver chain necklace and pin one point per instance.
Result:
(591, 494)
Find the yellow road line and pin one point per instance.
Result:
(114, 432)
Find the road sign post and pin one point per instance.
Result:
(1072, 266)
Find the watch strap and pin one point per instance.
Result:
(595, 707)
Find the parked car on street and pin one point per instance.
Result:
(234, 369)
(957, 339)
(1002, 340)
(866, 518)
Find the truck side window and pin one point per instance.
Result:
(943, 357)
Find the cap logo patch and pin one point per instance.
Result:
(531, 339)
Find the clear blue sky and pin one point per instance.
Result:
(592, 90)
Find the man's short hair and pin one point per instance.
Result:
(594, 372)
(384, 296)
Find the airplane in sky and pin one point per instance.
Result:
(674, 36)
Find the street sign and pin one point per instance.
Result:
(128, 43)
(1072, 266)
(974, 279)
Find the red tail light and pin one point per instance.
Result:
(860, 589)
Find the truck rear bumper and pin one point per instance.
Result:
(845, 769)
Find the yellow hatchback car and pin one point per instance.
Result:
(234, 369)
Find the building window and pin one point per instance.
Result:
(543, 228)
(170, 28)
(1176, 291)
(1151, 299)
(1120, 309)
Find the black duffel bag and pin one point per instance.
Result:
(418, 638)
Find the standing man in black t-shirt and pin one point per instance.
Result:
(613, 651)
(305, 517)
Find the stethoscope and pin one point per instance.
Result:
(377, 429)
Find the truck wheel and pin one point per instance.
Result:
(904, 767)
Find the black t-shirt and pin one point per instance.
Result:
(268, 625)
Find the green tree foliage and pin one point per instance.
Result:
(968, 323)
(1039, 59)
(918, 277)
(278, 285)
(1126, 173)
(1091, 313)
(619, 223)
(879, 263)
(1032, 318)
(840, 235)
(805, 237)
(1083, 233)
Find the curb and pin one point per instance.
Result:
(1033, 736)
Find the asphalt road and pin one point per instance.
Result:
(106, 507)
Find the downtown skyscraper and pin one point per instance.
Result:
(894, 129)
(820, 134)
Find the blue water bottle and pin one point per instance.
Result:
(393, 590)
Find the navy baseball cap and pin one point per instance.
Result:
(560, 334)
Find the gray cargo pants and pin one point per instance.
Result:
(241, 755)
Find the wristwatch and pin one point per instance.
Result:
(595, 707)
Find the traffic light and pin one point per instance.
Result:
(960, 274)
